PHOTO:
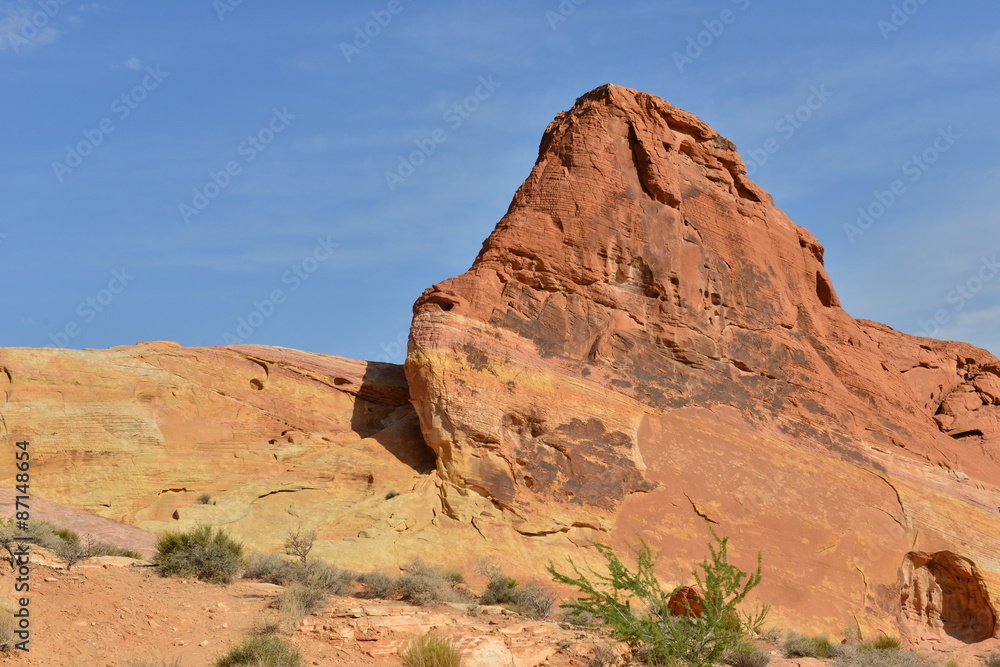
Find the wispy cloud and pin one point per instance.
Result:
(133, 63)
(24, 27)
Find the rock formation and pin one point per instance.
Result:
(645, 343)
(270, 437)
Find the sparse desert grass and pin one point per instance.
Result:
(531, 599)
(799, 646)
(320, 576)
(62, 542)
(882, 643)
(992, 660)
(420, 583)
(203, 552)
(431, 651)
(605, 655)
(176, 662)
(7, 638)
(852, 655)
(584, 619)
(261, 651)
(310, 582)
(295, 604)
(378, 585)
(270, 568)
(754, 658)
(105, 549)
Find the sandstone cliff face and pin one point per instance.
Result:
(645, 341)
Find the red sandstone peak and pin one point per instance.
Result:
(639, 257)
(639, 278)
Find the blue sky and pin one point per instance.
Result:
(170, 167)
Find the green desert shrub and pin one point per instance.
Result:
(636, 608)
(261, 651)
(992, 660)
(531, 599)
(799, 646)
(431, 651)
(204, 552)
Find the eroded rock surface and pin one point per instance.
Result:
(942, 595)
(645, 342)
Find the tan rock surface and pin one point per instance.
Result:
(275, 437)
(645, 341)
